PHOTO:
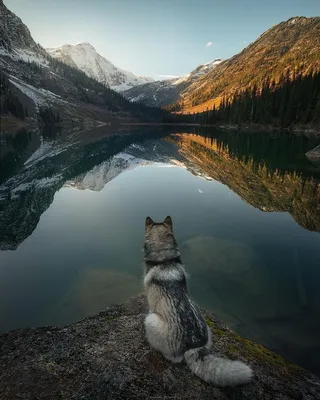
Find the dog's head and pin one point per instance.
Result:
(164, 227)
(159, 235)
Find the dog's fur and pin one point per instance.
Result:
(175, 326)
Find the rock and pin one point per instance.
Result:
(107, 357)
(314, 155)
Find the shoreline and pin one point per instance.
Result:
(10, 124)
(257, 128)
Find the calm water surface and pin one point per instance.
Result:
(246, 213)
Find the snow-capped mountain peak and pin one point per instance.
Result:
(85, 44)
(84, 56)
(216, 61)
(200, 70)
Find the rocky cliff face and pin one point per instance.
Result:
(107, 357)
(13, 32)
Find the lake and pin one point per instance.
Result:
(245, 210)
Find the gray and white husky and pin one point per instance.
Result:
(174, 325)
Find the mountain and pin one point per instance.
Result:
(293, 44)
(85, 57)
(14, 34)
(199, 71)
(33, 81)
(163, 93)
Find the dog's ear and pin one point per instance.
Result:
(149, 222)
(168, 222)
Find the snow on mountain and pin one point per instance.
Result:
(32, 74)
(41, 97)
(201, 70)
(16, 41)
(85, 57)
(162, 93)
(13, 33)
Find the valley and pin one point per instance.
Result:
(82, 88)
(126, 109)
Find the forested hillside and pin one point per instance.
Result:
(294, 100)
(291, 45)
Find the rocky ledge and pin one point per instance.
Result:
(107, 357)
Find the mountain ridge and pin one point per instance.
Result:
(84, 56)
(163, 93)
(34, 81)
(293, 44)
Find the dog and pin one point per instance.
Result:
(175, 325)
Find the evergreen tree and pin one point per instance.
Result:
(9, 102)
(294, 100)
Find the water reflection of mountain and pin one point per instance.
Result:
(291, 185)
(266, 172)
(14, 151)
(33, 183)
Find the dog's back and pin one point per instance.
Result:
(175, 325)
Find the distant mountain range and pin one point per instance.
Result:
(85, 57)
(49, 78)
(162, 93)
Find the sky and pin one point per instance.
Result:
(157, 38)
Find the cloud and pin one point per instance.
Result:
(209, 44)
(168, 76)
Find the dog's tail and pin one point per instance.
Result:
(216, 370)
